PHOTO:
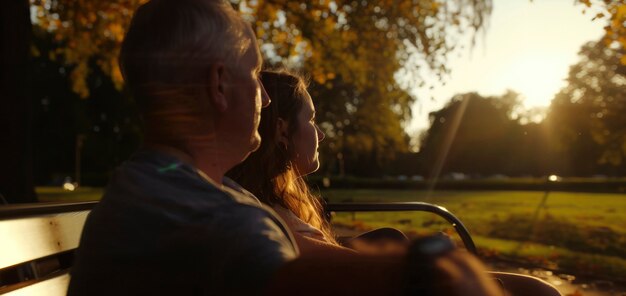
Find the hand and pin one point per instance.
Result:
(437, 267)
(461, 273)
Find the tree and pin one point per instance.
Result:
(584, 132)
(361, 55)
(352, 50)
(91, 137)
(587, 116)
(614, 13)
(16, 179)
(85, 32)
(480, 135)
(470, 134)
(333, 37)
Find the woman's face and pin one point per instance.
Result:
(305, 139)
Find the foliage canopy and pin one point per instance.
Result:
(351, 49)
(588, 114)
(362, 56)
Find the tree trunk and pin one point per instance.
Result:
(16, 172)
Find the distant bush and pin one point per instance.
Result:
(610, 185)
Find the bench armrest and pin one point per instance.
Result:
(408, 206)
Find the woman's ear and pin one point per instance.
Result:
(215, 87)
(281, 128)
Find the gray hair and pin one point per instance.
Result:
(167, 52)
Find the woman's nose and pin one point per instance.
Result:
(320, 133)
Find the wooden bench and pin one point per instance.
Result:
(37, 241)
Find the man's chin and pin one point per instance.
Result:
(254, 146)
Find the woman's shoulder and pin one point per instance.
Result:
(298, 225)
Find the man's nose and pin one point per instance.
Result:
(265, 98)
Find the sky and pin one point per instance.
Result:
(528, 47)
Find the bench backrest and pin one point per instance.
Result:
(37, 244)
(37, 241)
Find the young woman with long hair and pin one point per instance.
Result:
(288, 152)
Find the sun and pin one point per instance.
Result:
(536, 76)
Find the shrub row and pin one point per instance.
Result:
(612, 185)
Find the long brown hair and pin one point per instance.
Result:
(268, 172)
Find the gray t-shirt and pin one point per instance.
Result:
(162, 228)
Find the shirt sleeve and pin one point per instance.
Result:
(248, 245)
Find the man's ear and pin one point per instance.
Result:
(281, 128)
(216, 86)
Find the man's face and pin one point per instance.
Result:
(246, 97)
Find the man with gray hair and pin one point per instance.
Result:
(167, 223)
(170, 224)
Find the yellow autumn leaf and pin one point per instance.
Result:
(621, 12)
(319, 77)
(598, 16)
(434, 5)
(79, 83)
(116, 75)
(117, 31)
(260, 32)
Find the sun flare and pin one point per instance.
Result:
(538, 77)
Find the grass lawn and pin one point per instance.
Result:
(478, 207)
(50, 194)
(582, 233)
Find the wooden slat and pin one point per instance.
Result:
(27, 239)
(56, 286)
(17, 211)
